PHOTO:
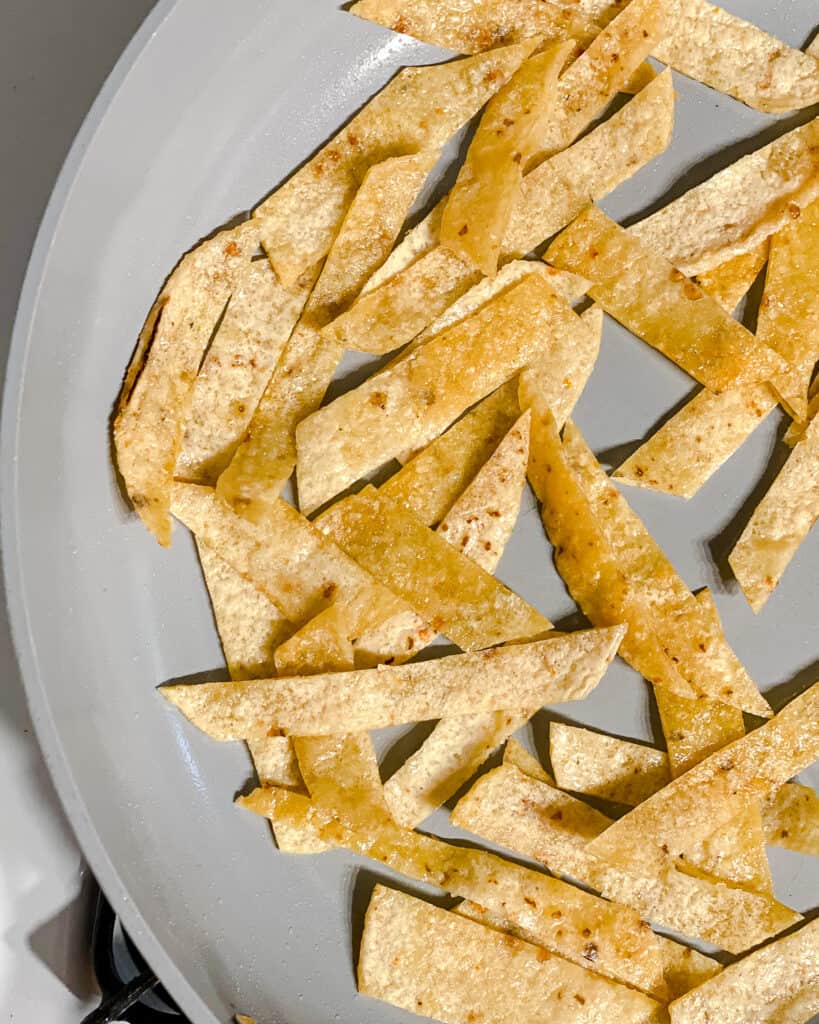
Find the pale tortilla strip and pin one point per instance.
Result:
(791, 819)
(547, 911)
(441, 955)
(250, 629)
(266, 456)
(738, 207)
(255, 328)
(753, 767)
(518, 756)
(158, 386)
(532, 818)
(480, 203)
(453, 594)
(420, 239)
(605, 766)
(778, 984)
(779, 523)
(410, 404)
(552, 195)
(299, 221)
(655, 301)
(518, 676)
(788, 318)
(690, 635)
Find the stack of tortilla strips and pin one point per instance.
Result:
(324, 607)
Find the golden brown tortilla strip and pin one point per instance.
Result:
(779, 523)
(693, 729)
(408, 405)
(453, 594)
(443, 954)
(738, 207)
(326, 647)
(796, 431)
(532, 818)
(518, 756)
(420, 239)
(518, 676)
(729, 282)
(252, 334)
(778, 984)
(788, 318)
(791, 818)
(156, 393)
(605, 766)
(299, 221)
(267, 455)
(650, 297)
(480, 203)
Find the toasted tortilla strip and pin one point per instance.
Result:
(326, 648)
(451, 592)
(729, 282)
(480, 203)
(408, 405)
(685, 968)
(775, 985)
(267, 455)
(158, 386)
(796, 431)
(791, 818)
(530, 900)
(780, 522)
(534, 819)
(418, 241)
(605, 766)
(789, 310)
(255, 328)
(400, 929)
(299, 221)
(740, 206)
(752, 767)
(693, 729)
(650, 297)
(518, 756)
(518, 676)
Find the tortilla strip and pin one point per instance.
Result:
(693, 729)
(326, 647)
(552, 195)
(605, 766)
(752, 767)
(441, 955)
(420, 239)
(796, 431)
(452, 593)
(519, 676)
(729, 282)
(536, 820)
(739, 206)
(157, 390)
(408, 405)
(779, 523)
(650, 297)
(788, 318)
(267, 455)
(518, 756)
(299, 221)
(626, 951)
(480, 204)
(775, 985)
(791, 818)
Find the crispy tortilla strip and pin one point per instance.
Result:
(519, 676)
(518, 756)
(740, 206)
(158, 386)
(267, 455)
(789, 310)
(729, 282)
(779, 523)
(605, 766)
(796, 431)
(738, 58)
(775, 985)
(751, 767)
(420, 239)
(650, 297)
(480, 203)
(250, 629)
(451, 592)
(400, 929)
(255, 328)
(552, 195)
(693, 729)
(299, 221)
(326, 647)
(791, 818)
(626, 951)
(410, 404)
(533, 818)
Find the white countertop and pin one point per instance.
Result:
(54, 56)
